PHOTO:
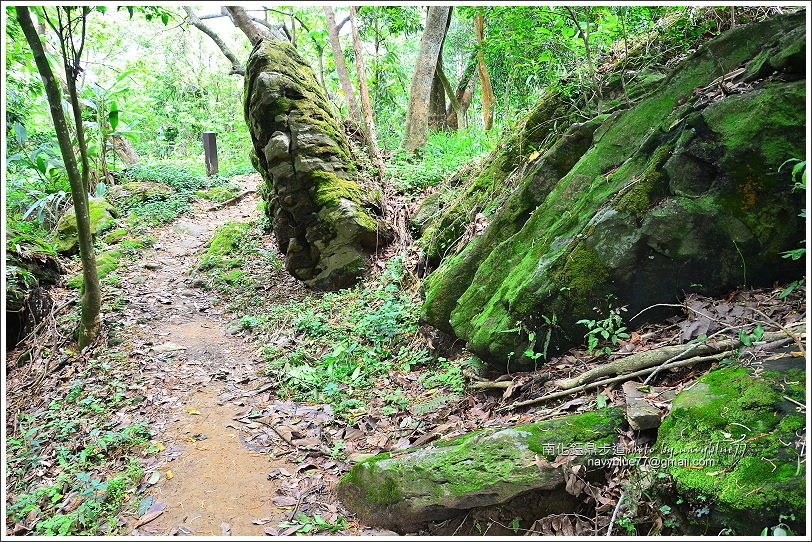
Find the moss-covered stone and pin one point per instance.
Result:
(224, 243)
(218, 193)
(632, 207)
(406, 489)
(106, 263)
(138, 191)
(731, 445)
(115, 236)
(102, 216)
(324, 221)
(31, 267)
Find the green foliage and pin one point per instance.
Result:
(305, 524)
(799, 180)
(443, 154)
(349, 342)
(93, 466)
(159, 209)
(609, 329)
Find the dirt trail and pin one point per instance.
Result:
(216, 485)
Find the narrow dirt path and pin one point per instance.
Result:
(209, 477)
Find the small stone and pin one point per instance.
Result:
(641, 414)
(152, 266)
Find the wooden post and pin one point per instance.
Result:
(210, 151)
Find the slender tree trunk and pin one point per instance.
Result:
(341, 66)
(91, 295)
(437, 109)
(372, 137)
(417, 121)
(437, 106)
(463, 95)
(488, 99)
(236, 66)
(455, 103)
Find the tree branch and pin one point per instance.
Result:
(236, 66)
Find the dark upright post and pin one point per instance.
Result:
(210, 151)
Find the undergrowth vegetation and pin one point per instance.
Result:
(341, 348)
(71, 464)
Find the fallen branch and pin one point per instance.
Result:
(658, 356)
(230, 201)
(489, 385)
(621, 378)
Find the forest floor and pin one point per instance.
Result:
(230, 451)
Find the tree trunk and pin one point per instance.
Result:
(417, 115)
(91, 295)
(236, 66)
(372, 137)
(254, 31)
(455, 103)
(484, 79)
(437, 112)
(124, 149)
(464, 94)
(341, 66)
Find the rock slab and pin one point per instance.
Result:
(405, 490)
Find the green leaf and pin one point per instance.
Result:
(758, 333)
(745, 338)
(112, 116)
(20, 133)
(602, 401)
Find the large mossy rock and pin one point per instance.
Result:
(406, 490)
(636, 206)
(731, 443)
(102, 216)
(323, 220)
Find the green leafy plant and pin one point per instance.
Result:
(610, 329)
(305, 524)
(798, 177)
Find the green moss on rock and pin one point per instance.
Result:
(661, 197)
(406, 489)
(730, 443)
(102, 216)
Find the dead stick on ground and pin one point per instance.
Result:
(231, 201)
(621, 378)
(650, 358)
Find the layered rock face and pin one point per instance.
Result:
(677, 191)
(323, 220)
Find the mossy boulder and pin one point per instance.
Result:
(405, 490)
(731, 443)
(223, 244)
(324, 221)
(102, 216)
(115, 236)
(631, 208)
(106, 262)
(138, 191)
